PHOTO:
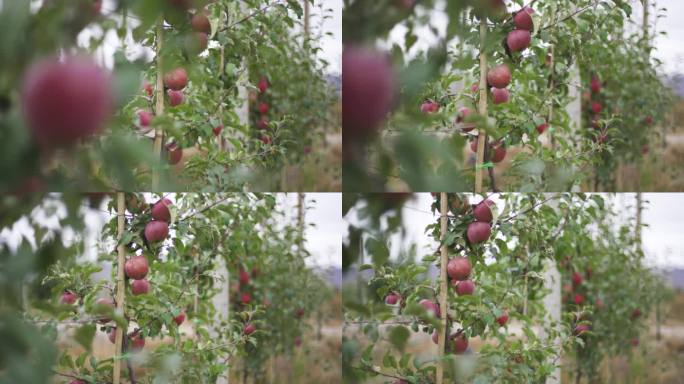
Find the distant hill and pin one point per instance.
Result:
(676, 277)
(335, 82)
(333, 275)
(676, 82)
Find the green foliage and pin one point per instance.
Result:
(509, 273)
(571, 40)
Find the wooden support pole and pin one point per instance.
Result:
(307, 19)
(443, 307)
(301, 208)
(159, 108)
(637, 230)
(219, 138)
(120, 284)
(482, 108)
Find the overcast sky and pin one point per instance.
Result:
(324, 238)
(669, 48)
(662, 238)
(331, 46)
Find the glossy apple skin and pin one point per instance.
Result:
(503, 319)
(156, 231)
(523, 19)
(483, 211)
(249, 329)
(136, 267)
(465, 287)
(175, 97)
(518, 40)
(459, 268)
(478, 232)
(499, 76)
(160, 211)
(500, 95)
(392, 299)
(430, 307)
(140, 287)
(460, 344)
(176, 79)
(69, 298)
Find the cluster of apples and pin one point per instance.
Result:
(263, 108)
(246, 297)
(595, 107)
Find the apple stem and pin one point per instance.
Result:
(443, 307)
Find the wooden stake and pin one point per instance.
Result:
(482, 108)
(443, 307)
(219, 139)
(307, 17)
(159, 110)
(120, 284)
(637, 232)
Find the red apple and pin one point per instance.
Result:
(263, 108)
(175, 97)
(245, 298)
(180, 318)
(262, 123)
(136, 267)
(460, 344)
(175, 153)
(578, 299)
(541, 128)
(392, 299)
(503, 319)
(636, 313)
(462, 116)
(581, 329)
(65, 101)
(483, 211)
(474, 88)
(459, 268)
(299, 313)
(523, 19)
(112, 335)
(266, 139)
(478, 232)
(497, 152)
(499, 76)
(500, 95)
(596, 107)
(145, 118)
(263, 84)
(465, 287)
(217, 130)
(148, 88)
(160, 210)
(140, 287)
(518, 40)
(176, 79)
(244, 277)
(368, 88)
(156, 231)
(430, 307)
(429, 107)
(648, 120)
(249, 329)
(576, 279)
(137, 342)
(595, 84)
(435, 337)
(200, 22)
(68, 298)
